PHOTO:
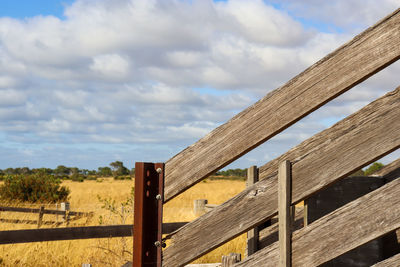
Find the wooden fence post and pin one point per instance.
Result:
(231, 259)
(41, 210)
(199, 206)
(252, 235)
(285, 213)
(65, 207)
(57, 214)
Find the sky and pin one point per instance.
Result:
(84, 83)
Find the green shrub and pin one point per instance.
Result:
(122, 177)
(376, 166)
(38, 187)
(77, 177)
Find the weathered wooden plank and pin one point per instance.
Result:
(72, 233)
(392, 261)
(351, 144)
(284, 219)
(390, 171)
(348, 227)
(204, 265)
(355, 61)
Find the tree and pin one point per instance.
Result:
(119, 169)
(62, 171)
(25, 170)
(376, 166)
(104, 172)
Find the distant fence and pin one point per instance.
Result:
(66, 214)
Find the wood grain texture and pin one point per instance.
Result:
(392, 261)
(347, 146)
(355, 61)
(284, 214)
(348, 227)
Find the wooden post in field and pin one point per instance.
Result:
(285, 213)
(231, 259)
(41, 210)
(65, 207)
(199, 206)
(57, 213)
(252, 235)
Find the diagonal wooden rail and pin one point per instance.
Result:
(392, 261)
(348, 227)
(352, 63)
(349, 145)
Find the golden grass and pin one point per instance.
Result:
(111, 251)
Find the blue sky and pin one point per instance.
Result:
(84, 83)
(27, 8)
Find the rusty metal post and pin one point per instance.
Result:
(147, 229)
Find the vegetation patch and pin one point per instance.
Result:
(37, 187)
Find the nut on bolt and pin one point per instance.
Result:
(160, 244)
(158, 197)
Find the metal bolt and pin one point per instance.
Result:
(157, 244)
(158, 197)
(159, 170)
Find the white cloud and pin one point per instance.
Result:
(130, 72)
(110, 65)
(10, 97)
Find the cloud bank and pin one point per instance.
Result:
(139, 80)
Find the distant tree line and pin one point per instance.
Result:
(374, 167)
(232, 172)
(116, 169)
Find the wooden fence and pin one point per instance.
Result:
(333, 154)
(66, 214)
(316, 163)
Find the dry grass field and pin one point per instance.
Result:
(111, 251)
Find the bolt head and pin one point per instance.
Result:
(159, 170)
(157, 244)
(158, 197)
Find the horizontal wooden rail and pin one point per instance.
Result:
(348, 227)
(349, 145)
(72, 233)
(23, 221)
(59, 212)
(352, 63)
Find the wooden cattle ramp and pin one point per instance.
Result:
(316, 163)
